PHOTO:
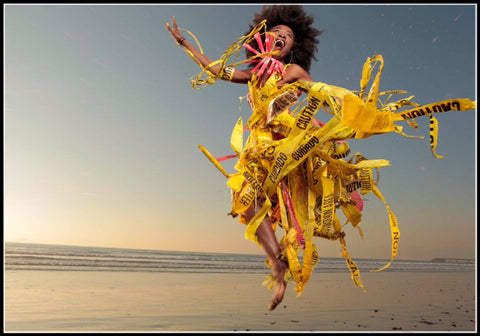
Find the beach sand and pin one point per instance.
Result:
(142, 302)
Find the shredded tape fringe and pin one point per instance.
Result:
(309, 172)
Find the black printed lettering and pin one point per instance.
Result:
(351, 187)
(307, 113)
(277, 167)
(396, 237)
(305, 149)
(252, 181)
(365, 178)
(427, 110)
(327, 211)
(247, 198)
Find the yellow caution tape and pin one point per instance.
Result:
(236, 139)
(393, 228)
(314, 164)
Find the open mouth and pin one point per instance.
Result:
(279, 44)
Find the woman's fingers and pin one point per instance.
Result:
(173, 29)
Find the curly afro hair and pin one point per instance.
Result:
(294, 17)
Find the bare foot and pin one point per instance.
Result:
(278, 272)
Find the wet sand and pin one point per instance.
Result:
(143, 302)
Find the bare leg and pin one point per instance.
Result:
(266, 237)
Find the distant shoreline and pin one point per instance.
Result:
(454, 260)
(436, 259)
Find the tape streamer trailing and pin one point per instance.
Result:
(305, 170)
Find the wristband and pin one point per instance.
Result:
(227, 74)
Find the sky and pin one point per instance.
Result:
(101, 126)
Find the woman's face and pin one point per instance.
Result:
(284, 40)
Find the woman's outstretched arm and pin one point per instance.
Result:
(238, 76)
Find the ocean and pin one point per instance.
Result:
(26, 256)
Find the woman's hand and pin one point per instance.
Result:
(238, 76)
(175, 32)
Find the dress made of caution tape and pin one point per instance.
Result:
(302, 174)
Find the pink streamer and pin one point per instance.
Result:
(260, 43)
(358, 200)
(272, 66)
(226, 157)
(268, 41)
(249, 47)
(300, 238)
(264, 66)
(268, 63)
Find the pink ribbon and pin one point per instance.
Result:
(300, 238)
(267, 62)
(226, 157)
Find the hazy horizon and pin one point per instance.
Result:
(101, 126)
